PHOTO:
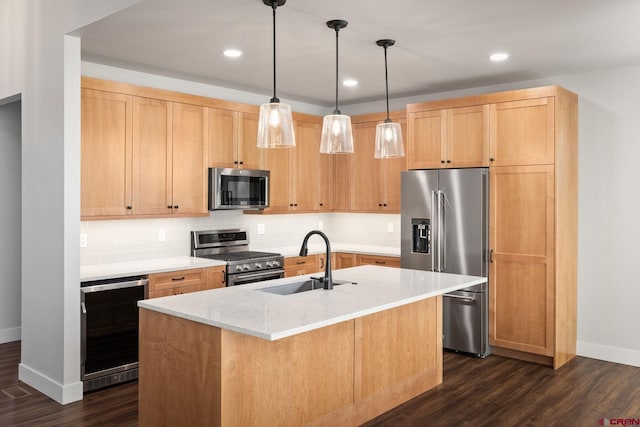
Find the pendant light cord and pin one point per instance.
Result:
(274, 5)
(336, 111)
(386, 82)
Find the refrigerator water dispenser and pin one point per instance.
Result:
(421, 235)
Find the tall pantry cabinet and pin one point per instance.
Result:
(532, 157)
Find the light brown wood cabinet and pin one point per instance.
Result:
(146, 155)
(301, 178)
(373, 185)
(523, 132)
(185, 281)
(533, 211)
(301, 265)
(232, 139)
(383, 261)
(448, 138)
(345, 260)
(106, 153)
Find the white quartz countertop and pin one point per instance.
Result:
(248, 310)
(142, 267)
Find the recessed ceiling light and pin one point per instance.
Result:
(232, 53)
(499, 56)
(350, 83)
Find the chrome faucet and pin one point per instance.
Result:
(327, 281)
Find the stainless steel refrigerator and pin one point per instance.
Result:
(445, 228)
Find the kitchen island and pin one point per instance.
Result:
(240, 356)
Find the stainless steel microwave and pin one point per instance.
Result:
(238, 189)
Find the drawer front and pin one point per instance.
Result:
(384, 261)
(177, 279)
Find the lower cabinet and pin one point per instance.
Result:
(185, 281)
(297, 266)
(300, 265)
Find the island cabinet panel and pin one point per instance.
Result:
(339, 375)
(398, 346)
(289, 382)
(345, 260)
(216, 277)
(179, 382)
(385, 261)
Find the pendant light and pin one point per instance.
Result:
(388, 134)
(275, 125)
(336, 128)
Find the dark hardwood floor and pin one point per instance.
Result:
(494, 391)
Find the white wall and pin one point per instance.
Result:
(43, 66)
(10, 144)
(130, 240)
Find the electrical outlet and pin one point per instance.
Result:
(83, 240)
(260, 228)
(320, 225)
(389, 227)
(162, 236)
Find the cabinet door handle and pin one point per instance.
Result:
(177, 279)
(241, 162)
(321, 204)
(129, 207)
(235, 162)
(384, 204)
(175, 206)
(491, 256)
(301, 262)
(448, 161)
(169, 207)
(224, 277)
(442, 161)
(381, 262)
(491, 159)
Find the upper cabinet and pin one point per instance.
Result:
(106, 153)
(141, 156)
(232, 139)
(448, 138)
(373, 184)
(301, 177)
(523, 132)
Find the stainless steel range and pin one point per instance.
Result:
(243, 266)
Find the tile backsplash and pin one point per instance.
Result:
(135, 239)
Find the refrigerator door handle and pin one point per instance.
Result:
(434, 245)
(442, 254)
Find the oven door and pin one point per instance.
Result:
(260, 276)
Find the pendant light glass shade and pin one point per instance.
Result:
(388, 134)
(389, 141)
(275, 124)
(336, 135)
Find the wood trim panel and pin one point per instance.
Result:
(167, 95)
(379, 117)
(216, 277)
(489, 98)
(566, 237)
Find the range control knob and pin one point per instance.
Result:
(246, 267)
(258, 266)
(238, 268)
(276, 264)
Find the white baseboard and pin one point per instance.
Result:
(10, 335)
(624, 356)
(62, 394)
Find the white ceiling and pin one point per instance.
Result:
(440, 44)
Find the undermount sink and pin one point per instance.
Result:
(296, 287)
